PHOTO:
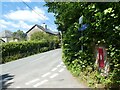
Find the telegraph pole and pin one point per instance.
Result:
(81, 22)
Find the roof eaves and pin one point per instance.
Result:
(31, 28)
(37, 26)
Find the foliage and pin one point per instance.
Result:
(20, 35)
(104, 29)
(42, 36)
(15, 50)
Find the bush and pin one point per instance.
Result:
(78, 61)
(103, 28)
(15, 50)
(42, 36)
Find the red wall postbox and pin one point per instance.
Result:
(101, 57)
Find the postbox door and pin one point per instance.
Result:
(101, 57)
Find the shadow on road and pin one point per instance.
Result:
(6, 80)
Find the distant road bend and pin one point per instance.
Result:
(44, 70)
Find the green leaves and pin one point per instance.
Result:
(15, 50)
(104, 27)
(109, 10)
(42, 36)
(20, 35)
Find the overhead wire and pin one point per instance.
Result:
(35, 11)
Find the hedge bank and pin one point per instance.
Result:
(103, 29)
(15, 50)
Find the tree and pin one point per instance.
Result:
(42, 36)
(20, 35)
(104, 28)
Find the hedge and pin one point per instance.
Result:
(15, 50)
(81, 63)
(100, 26)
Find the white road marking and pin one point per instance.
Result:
(54, 75)
(6, 79)
(64, 66)
(59, 65)
(9, 81)
(17, 87)
(54, 69)
(32, 81)
(46, 74)
(61, 70)
(42, 82)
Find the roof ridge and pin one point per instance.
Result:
(39, 26)
(6, 33)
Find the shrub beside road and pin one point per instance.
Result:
(15, 50)
(103, 29)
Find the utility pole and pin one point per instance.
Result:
(81, 22)
(60, 37)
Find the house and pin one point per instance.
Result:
(39, 28)
(7, 36)
(2, 41)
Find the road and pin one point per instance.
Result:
(44, 70)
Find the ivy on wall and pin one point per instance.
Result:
(104, 29)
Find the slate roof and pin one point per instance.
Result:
(2, 40)
(6, 34)
(51, 32)
(37, 26)
(45, 30)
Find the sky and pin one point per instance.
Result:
(16, 15)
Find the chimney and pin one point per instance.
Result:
(45, 26)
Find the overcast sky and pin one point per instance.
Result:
(17, 15)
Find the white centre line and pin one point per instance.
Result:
(32, 81)
(59, 65)
(9, 81)
(46, 74)
(17, 87)
(42, 82)
(6, 79)
(54, 75)
(64, 66)
(61, 70)
(54, 69)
